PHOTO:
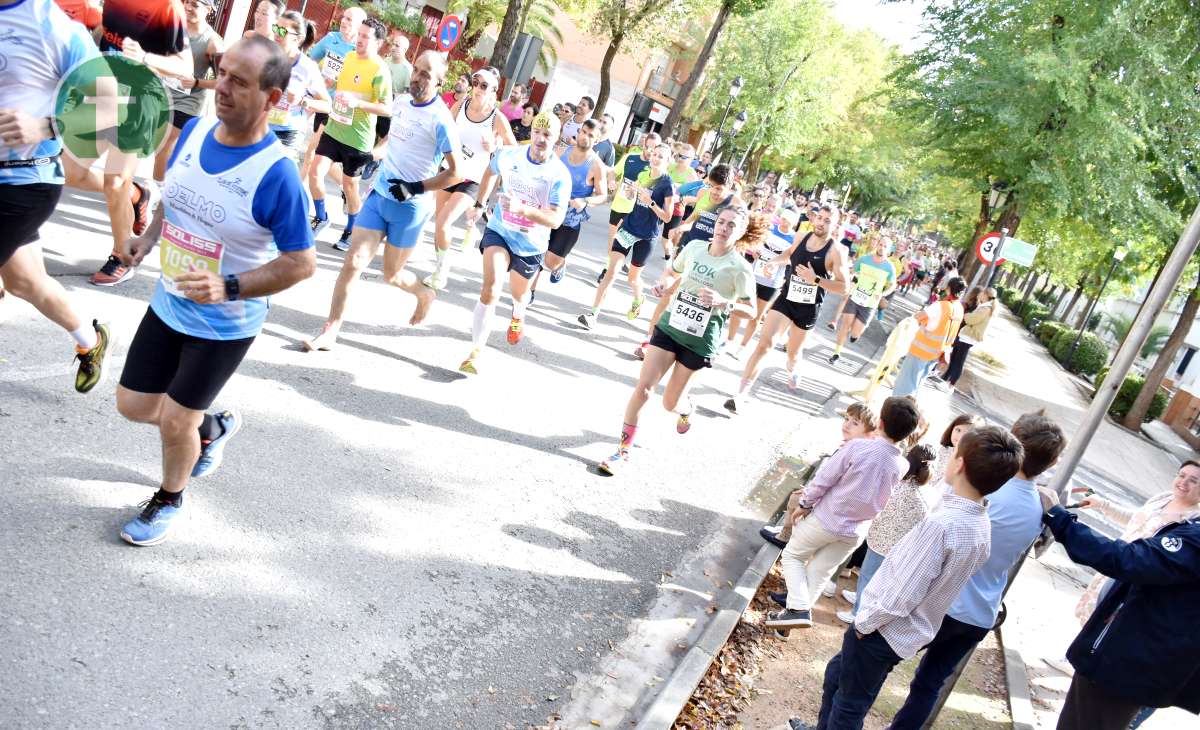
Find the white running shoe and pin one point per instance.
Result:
(846, 617)
(850, 596)
(830, 590)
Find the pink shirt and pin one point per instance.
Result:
(512, 112)
(854, 485)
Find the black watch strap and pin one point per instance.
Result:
(233, 288)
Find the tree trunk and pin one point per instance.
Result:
(610, 53)
(1141, 404)
(820, 188)
(755, 158)
(1081, 322)
(507, 35)
(1074, 300)
(680, 103)
(1060, 295)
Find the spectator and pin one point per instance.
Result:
(513, 107)
(977, 313)
(522, 126)
(939, 326)
(1015, 516)
(400, 67)
(950, 437)
(837, 506)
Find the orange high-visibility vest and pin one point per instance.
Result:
(929, 344)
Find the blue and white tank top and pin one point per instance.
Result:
(580, 187)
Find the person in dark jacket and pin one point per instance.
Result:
(1140, 648)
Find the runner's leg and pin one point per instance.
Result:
(450, 207)
(25, 276)
(610, 273)
(635, 282)
(395, 273)
(364, 245)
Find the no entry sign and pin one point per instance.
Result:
(449, 32)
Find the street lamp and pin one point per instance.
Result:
(738, 122)
(735, 88)
(998, 196)
(1118, 257)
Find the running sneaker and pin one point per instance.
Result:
(434, 281)
(834, 358)
(212, 452)
(587, 319)
(369, 169)
(640, 352)
(514, 331)
(141, 209)
(151, 526)
(343, 243)
(91, 362)
(635, 308)
(683, 424)
(731, 405)
(318, 225)
(793, 381)
(612, 464)
(846, 616)
(324, 341)
(831, 325)
(113, 272)
(600, 278)
(558, 274)
(625, 268)
(850, 596)
(789, 619)
(468, 365)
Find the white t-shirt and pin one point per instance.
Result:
(541, 185)
(420, 136)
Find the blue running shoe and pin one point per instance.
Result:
(557, 275)
(212, 452)
(151, 526)
(318, 225)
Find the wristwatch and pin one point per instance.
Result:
(233, 288)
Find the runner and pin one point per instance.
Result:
(514, 106)
(623, 182)
(217, 272)
(588, 187)
(399, 66)
(716, 280)
(266, 14)
(481, 129)
(703, 164)
(697, 227)
(583, 112)
(639, 230)
(331, 52)
(681, 173)
(815, 265)
(851, 232)
(767, 279)
(874, 278)
(294, 35)
(534, 189)
(157, 37)
(31, 175)
(422, 136)
(188, 101)
(603, 145)
(363, 91)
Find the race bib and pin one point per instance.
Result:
(862, 298)
(629, 190)
(341, 111)
(625, 239)
(180, 251)
(763, 268)
(801, 293)
(688, 315)
(331, 69)
(278, 115)
(516, 222)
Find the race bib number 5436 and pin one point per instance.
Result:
(180, 251)
(690, 315)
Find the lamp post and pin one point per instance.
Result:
(738, 122)
(1118, 257)
(735, 88)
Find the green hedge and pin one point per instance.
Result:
(1128, 393)
(1048, 330)
(1089, 358)
(1035, 312)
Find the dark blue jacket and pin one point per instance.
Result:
(1142, 643)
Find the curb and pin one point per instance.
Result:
(674, 694)
(1016, 675)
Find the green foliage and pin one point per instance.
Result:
(537, 20)
(1090, 357)
(1048, 330)
(1128, 393)
(394, 14)
(454, 69)
(1035, 312)
(1118, 325)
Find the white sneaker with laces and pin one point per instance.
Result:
(846, 617)
(830, 590)
(850, 596)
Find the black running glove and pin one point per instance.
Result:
(402, 190)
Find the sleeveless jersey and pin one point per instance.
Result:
(815, 259)
(775, 243)
(580, 187)
(471, 134)
(192, 102)
(702, 228)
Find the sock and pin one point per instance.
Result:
(745, 385)
(627, 433)
(173, 498)
(319, 205)
(443, 261)
(349, 224)
(595, 311)
(210, 428)
(837, 349)
(440, 253)
(519, 306)
(86, 337)
(481, 324)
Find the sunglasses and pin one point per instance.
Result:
(481, 84)
(281, 31)
(683, 157)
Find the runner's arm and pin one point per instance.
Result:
(318, 104)
(599, 184)
(840, 282)
(215, 48)
(447, 176)
(291, 267)
(133, 250)
(378, 108)
(502, 129)
(663, 213)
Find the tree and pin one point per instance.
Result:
(724, 10)
(537, 17)
(508, 33)
(1141, 405)
(623, 21)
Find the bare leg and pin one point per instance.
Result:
(164, 154)
(364, 245)
(752, 325)
(395, 273)
(635, 282)
(25, 276)
(178, 428)
(655, 366)
(316, 176)
(614, 259)
(676, 389)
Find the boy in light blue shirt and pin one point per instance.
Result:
(1015, 513)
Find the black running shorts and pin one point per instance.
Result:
(563, 240)
(615, 218)
(689, 359)
(23, 210)
(190, 370)
(641, 250)
(764, 293)
(803, 316)
(353, 161)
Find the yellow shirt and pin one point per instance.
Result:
(366, 79)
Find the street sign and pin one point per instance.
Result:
(1018, 252)
(449, 32)
(985, 247)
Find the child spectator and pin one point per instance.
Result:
(837, 505)
(903, 606)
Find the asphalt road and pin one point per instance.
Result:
(388, 544)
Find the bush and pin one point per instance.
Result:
(1089, 358)
(1048, 329)
(1035, 312)
(1129, 392)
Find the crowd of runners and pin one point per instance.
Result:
(257, 129)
